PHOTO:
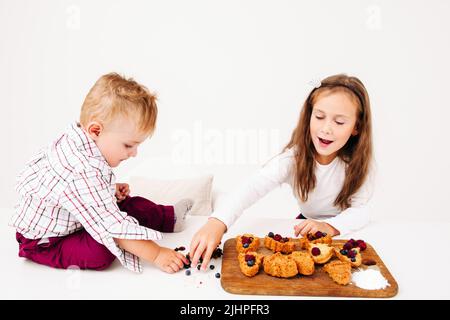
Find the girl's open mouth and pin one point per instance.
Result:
(324, 142)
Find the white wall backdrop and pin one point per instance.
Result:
(231, 77)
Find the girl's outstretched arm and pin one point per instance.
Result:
(270, 176)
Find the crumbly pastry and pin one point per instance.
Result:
(351, 252)
(250, 262)
(247, 242)
(279, 265)
(339, 271)
(320, 252)
(351, 256)
(318, 237)
(305, 264)
(276, 243)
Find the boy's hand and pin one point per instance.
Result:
(312, 226)
(206, 240)
(122, 191)
(169, 260)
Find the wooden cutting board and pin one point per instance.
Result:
(318, 284)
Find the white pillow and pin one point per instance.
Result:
(169, 192)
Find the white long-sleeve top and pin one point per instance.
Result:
(319, 206)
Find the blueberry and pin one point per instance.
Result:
(188, 272)
(186, 266)
(198, 266)
(344, 252)
(245, 245)
(211, 267)
(251, 263)
(271, 234)
(217, 275)
(353, 259)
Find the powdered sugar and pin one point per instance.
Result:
(369, 279)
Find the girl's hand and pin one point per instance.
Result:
(205, 241)
(169, 260)
(122, 191)
(312, 226)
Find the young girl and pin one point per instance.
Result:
(327, 163)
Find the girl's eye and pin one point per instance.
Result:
(339, 123)
(319, 118)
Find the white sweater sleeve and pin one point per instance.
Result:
(270, 176)
(358, 214)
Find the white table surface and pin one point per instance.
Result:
(417, 255)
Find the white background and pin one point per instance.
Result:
(221, 68)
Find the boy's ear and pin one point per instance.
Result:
(94, 129)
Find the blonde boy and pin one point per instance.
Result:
(72, 213)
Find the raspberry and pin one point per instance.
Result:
(249, 257)
(315, 251)
(244, 239)
(362, 245)
(310, 237)
(277, 237)
(285, 239)
(351, 254)
(348, 246)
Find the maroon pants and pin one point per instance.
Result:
(81, 250)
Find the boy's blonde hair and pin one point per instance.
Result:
(114, 95)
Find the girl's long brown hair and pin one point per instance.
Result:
(356, 153)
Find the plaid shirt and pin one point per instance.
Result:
(69, 186)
